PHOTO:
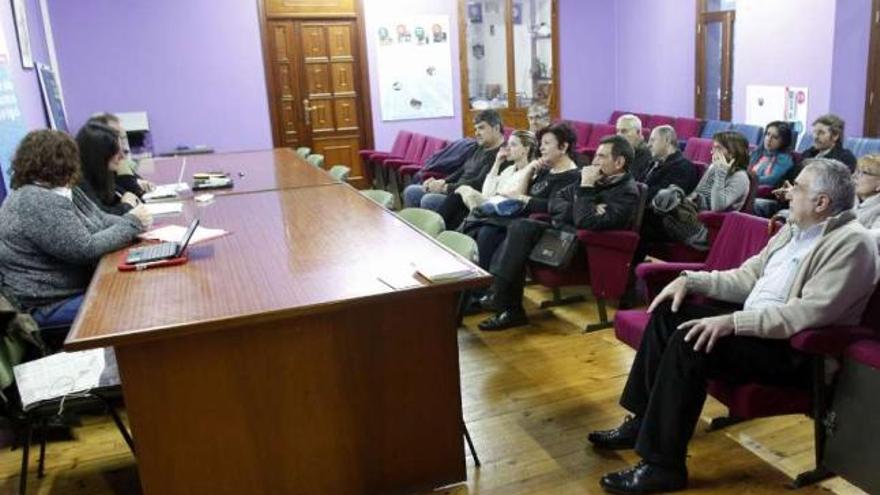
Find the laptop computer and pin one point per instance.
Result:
(163, 251)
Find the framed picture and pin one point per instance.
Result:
(475, 12)
(517, 12)
(19, 12)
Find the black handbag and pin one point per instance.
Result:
(556, 248)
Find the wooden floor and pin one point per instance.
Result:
(530, 397)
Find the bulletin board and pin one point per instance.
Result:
(415, 67)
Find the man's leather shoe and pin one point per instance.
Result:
(504, 320)
(622, 437)
(645, 478)
(487, 302)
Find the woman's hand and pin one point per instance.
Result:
(130, 199)
(146, 185)
(720, 161)
(143, 215)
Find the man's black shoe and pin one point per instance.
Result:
(473, 307)
(622, 437)
(645, 478)
(487, 302)
(504, 320)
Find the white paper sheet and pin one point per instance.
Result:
(174, 233)
(65, 373)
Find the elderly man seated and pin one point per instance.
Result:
(820, 269)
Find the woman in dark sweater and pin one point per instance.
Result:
(101, 156)
(51, 234)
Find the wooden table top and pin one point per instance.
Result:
(251, 171)
(289, 252)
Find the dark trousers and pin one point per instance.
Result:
(489, 239)
(509, 267)
(453, 210)
(668, 379)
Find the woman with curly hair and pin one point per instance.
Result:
(51, 234)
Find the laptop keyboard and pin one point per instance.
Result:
(154, 252)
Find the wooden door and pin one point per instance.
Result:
(872, 96)
(714, 66)
(315, 89)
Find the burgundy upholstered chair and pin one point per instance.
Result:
(582, 129)
(598, 132)
(747, 401)
(605, 264)
(398, 149)
(657, 120)
(686, 127)
(392, 172)
(411, 155)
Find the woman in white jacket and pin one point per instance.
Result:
(510, 175)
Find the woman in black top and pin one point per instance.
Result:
(101, 155)
(556, 169)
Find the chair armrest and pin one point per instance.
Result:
(409, 169)
(712, 219)
(829, 341)
(396, 162)
(655, 276)
(622, 240)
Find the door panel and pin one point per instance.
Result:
(714, 71)
(319, 97)
(872, 95)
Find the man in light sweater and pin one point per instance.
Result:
(819, 269)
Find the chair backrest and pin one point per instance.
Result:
(806, 142)
(753, 133)
(741, 237)
(640, 207)
(656, 120)
(582, 130)
(415, 148)
(686, 127)
(599, 131)
(303, 151)
(713, 126)
(698, 150)
(340, 172)
(429, 222)
(749, 204)
(862, 146)
(462, 244)
(432, 145)
(316, 160)
(400, 143)
(644, 117)
(384, 198)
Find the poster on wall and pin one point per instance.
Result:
(52, 98)
(19, 12)
(415, 67)
(12, 127)
(765, 104)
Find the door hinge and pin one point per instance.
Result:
(877, 17)
(699, 28)
(871, 99)
(698, 90)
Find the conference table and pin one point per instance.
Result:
(299, 353)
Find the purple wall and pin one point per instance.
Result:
(27, 87)
(795, 51)
(445, 127)
(655, 53)
(849, 73)
(195, 67)
(588, 59)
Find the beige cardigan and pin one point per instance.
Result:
(832, 285)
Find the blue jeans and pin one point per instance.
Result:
(415, 196)
(61, 313)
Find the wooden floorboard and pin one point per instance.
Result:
(530, 396)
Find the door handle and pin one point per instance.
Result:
(307, 111)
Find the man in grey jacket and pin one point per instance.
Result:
(819, 269)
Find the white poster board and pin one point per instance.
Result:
(765, 104)
(415, 67)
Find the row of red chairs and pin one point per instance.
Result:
(408, 154)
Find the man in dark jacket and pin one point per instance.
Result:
(433, 192)
(669, 168)
(605, 198)
(828, 141)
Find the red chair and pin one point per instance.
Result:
(616, 115)
(658, 120)
(398, 149)
(606, 266)
(686, 127)
(698, 150)
(582, 129)
(399, 171)
(747, 401)
(598, 132)
(413, 153)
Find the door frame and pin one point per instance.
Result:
(727, 18)
(872, 88)
(365, 109)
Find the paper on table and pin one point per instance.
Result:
(165, 191)
(164, 208)
(436, 271)
(174, 233)
(65, 373)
